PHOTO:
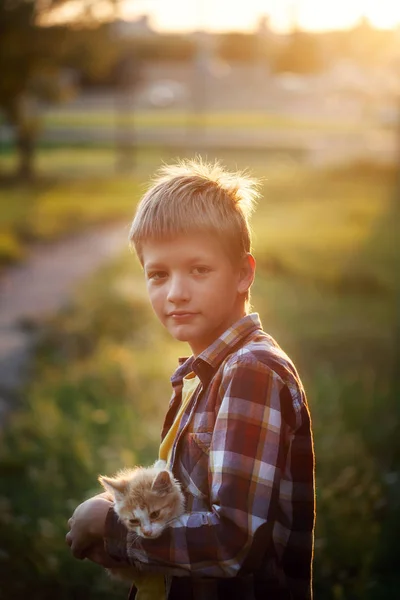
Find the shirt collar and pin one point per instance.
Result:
(206, 362)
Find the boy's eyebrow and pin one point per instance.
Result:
(153, 265)
(190, 261)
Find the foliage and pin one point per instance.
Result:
(10, 248)
(301, 54)
(241, 47)
(92, 54)
(164, 47)
(362, 44)
(94, 387)
(342, 226)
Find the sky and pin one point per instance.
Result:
(220, 15)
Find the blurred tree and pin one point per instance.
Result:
(127, 76)
(30, 60)
(166, 47)
(92, 53)
(238, 47)
(302, 54)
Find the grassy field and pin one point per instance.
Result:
(49, 211)
(328, 289)
(218, 120)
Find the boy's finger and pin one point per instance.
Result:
(68, 538)
(77, 550)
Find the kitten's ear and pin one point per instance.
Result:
(116, 487)
(160, 464)
(162, 483)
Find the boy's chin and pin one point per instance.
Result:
(180, 335)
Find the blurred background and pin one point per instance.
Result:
(94, 96)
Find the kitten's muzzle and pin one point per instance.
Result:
(147, 532)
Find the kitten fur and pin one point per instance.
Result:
(146, 500)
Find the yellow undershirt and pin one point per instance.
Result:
(152, 586)
(190, 383)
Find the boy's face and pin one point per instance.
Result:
(195, 290)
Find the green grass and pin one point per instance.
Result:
(68, 432)
(321, 227)
(214, 120)
(50, 210)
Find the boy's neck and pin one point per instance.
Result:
(201, 347)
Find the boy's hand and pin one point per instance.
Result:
(87, 525)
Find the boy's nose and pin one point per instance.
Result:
(178, 290)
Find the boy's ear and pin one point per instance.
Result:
(247, 273)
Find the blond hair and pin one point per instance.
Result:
(193, 195)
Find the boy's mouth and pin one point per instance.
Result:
(178, 314)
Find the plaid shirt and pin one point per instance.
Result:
(244, 456)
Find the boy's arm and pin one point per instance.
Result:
(247, 455)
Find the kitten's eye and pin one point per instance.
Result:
(155, 514)
(134, 521)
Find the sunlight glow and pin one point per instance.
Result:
(218, 15)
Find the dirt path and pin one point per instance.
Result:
(41, 286)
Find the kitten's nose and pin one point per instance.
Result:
(146, 532)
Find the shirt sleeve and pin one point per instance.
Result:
(246, 459)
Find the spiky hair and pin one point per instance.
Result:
(193, 195)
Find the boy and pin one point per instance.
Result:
(237, 433)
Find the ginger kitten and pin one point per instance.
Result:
(146, 500)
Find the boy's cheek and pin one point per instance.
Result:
(156, 299)
(159, 312)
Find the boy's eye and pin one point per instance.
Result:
(155, 514)
(134, 521)
(201, 270)
(157, 275)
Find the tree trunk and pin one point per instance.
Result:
(22, 115)
(25, 144)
